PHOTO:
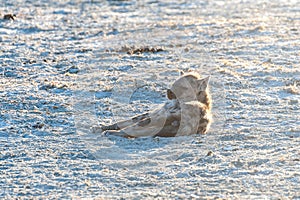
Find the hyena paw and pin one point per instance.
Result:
(96, 129)
(113, 132)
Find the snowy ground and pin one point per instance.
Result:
(67, 65)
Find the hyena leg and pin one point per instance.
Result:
(135, 130)
(139, 131)
(122, 124)
(97, 129)
(119, 133)
(148, 126)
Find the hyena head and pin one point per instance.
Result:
(190, 87)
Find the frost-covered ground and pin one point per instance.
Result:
(67, 65)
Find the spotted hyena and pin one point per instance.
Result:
(186, 112)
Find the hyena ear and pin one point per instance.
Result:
(171, 94)
(203, 83)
